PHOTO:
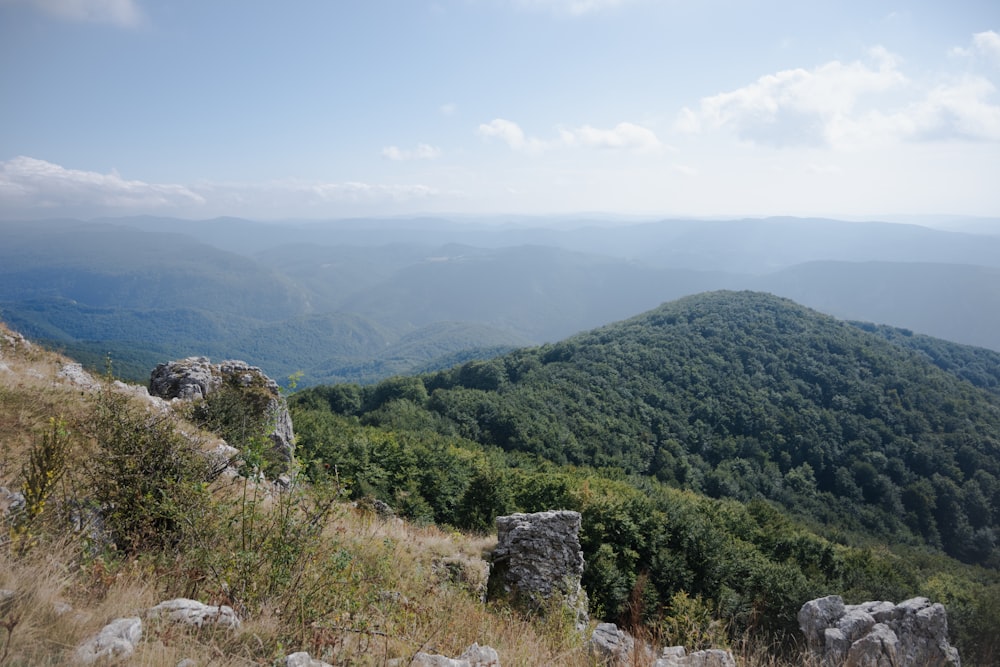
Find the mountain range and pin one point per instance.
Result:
(358, 300)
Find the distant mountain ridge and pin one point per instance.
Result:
(126, 286)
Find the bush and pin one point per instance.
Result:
(147, 480)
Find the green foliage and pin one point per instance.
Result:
(739, 396)
(146, 478)
(42, 473)
(796, 424)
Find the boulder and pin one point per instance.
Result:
(538, 556)
(611, 646)
(197, 378)
(676, 656)
(115, 642)
(876, 634)
(192, 612)
(303, 659)
(474, 656)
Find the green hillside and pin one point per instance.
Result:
(732, 454)
(744, 395)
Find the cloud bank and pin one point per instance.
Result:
(852, 105)
(33, 188)
(622, 137)
(123, 13)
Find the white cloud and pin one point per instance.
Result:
(33, 187)
(511, 134)
(988, 44)
(627, 136)
(849, 106)
(29, 182)
(571, 7)
(123, 13)
(623, 137)
(421, 152)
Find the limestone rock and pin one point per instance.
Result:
(877, 634)
(611, 646)
(431, 660)
(303, 659)
(676, 656)
(192, 612)
(480, 656)
(116, 641)
(196, 378)
(538, 556)
(474, 656)
(74, 374)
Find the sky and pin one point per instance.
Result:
(320, 109)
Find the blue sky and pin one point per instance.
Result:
(325, 109)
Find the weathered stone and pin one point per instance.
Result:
(816, 616)
(116, 641)
(879, 647)
(74, 374)
(474, 656)
(708, 658)
(611, 646)
(431, 660)
(877, 634)
(192, 612)
(303, 659)
(196, 377)
(480, 656)
(538, 556)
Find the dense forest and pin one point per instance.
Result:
(732, 451)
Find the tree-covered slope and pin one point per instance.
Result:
(742, 395)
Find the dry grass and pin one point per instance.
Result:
(362, 590)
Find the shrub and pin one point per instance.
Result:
(147, 479)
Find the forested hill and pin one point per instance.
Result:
(737, 395)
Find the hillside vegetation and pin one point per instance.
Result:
(123, 509)
(732, 447)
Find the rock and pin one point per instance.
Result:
(187, 662)
(422, 659)
(611, 646)
(538, 556)
(877, 634)
(474, 656)
(676, 656)
(73, 373)
(303, 659)
(116, 641)
(480, 656)
(192, 612)
(197, 378)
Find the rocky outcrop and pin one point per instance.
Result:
(115, 642)
(474, 656)
(197, 378)
(877, 634)
(613, 647)
(538, 556)
(197, 614)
